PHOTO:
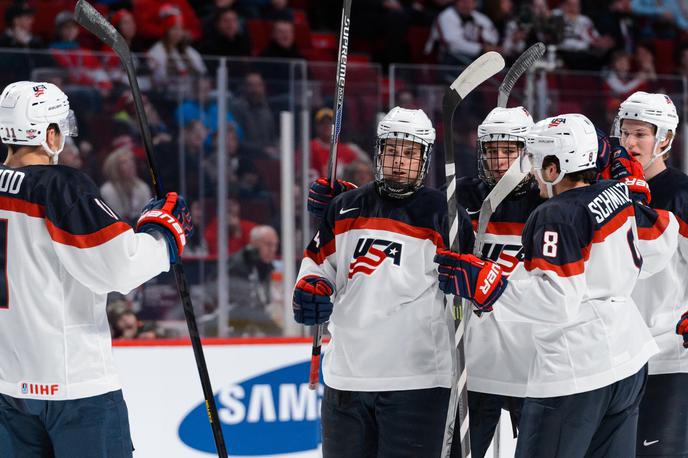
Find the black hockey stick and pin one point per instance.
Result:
(482, 69)
(94, 22)
(522, 64)
(340, 78)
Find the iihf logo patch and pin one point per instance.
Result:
(370, 253)
(31, 134)
(556, 121)
(39, 90)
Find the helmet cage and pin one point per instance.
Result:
(492, 150)
(403, 173)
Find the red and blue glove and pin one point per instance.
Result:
(626, 169)
(312, 304)
(320, 194)
(171, 218)
(682, 328)
(470, 277)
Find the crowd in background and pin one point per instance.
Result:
(630, 41)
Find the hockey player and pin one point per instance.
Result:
(648, 125)
(62, 250)
(497, 379)
(369, 270)
(581, 260)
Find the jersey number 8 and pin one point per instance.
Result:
(549, 246)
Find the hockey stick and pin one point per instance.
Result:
(482, 69)
(94, 22)
(340, 78)
(522, 64)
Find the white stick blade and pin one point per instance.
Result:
(483, 68)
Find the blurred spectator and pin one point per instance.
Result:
(124, 191)
(203, 107)
(359, 172)
(645, 61)
(250, 185)
(462, 34)
(282, 43)
(172, 60)
(225, 35)
(207, 10)
(277, 10)
(197, 245)
(193, 175)
(236, 153)
(320, 144)
(19, 18)
(671, 11)
(70, 155)
(682, 64)
(83, 67)
(255, 118)
(618, 23)
(125, 24)
(126, 325)
(238, 230)
(250, 276)
(620, 81)
(406, 98)
(148, 14)
(582, 47)
(539, 24)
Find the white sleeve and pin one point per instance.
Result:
(657, 238)
(451, 32)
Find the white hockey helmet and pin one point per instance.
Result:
(571, 138)
(408, 126)
(501, 125)
(27, 108)
(655, 109)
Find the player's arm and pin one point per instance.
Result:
(550, 287)
(657, 238)
(101, 251)
(316, 280)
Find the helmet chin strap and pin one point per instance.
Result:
(53, 154)
(549, 185)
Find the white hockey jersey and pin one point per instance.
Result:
(582, 258)
(503, 372)
(663, 297)
(62, 250)
(390, 328)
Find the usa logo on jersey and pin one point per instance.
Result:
(371, 253)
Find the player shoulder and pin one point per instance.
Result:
(61, 185)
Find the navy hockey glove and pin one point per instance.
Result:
(171, 218)
(682, 328)
(312, 304)
(626, 169)
(470, 277)
(320, 194)
(604, 156)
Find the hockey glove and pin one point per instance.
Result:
(470, 277)
(682, 328)
(604, 156)
(321, 194)
(312, 304)
(169, 217)
(626, 169)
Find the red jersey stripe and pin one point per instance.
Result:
(384, 224)
(613, 224)
(86, 240)
(14, 204)
(657, 229)
(501, 228)
(564, 270)
(682, 227)
(322, 253)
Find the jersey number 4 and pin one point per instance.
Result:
(4, 288)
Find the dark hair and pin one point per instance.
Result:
(587, 176)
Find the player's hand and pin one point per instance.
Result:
(470, 277)
(171, 218)
(626, 169)
(604, 155)
(320, 194)
(312, 304)
(682, 328)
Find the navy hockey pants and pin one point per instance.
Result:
(484, 410)
(663, 420)
(383, 424)
(598, 423)
(91, 427)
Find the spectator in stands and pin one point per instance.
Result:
(462, 33)
(619, 23)
(359, 172)
(674, 12)
(197, 246)
(124, 22)
(124, 191)
(277, 10)
(238, 230)
(582, 47)
(194, 172)
(19, 18)
(250, 274)
(148, 14)
(225, 35)
(128, 326)
(320, 144)
(682, 63)
(70, 155)
(255, 117)
(236, 152)
(406, 98)
(282, 43)
(537, 21)
(83, 67)
(172, 60)
(645, 61)
(620, 82)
